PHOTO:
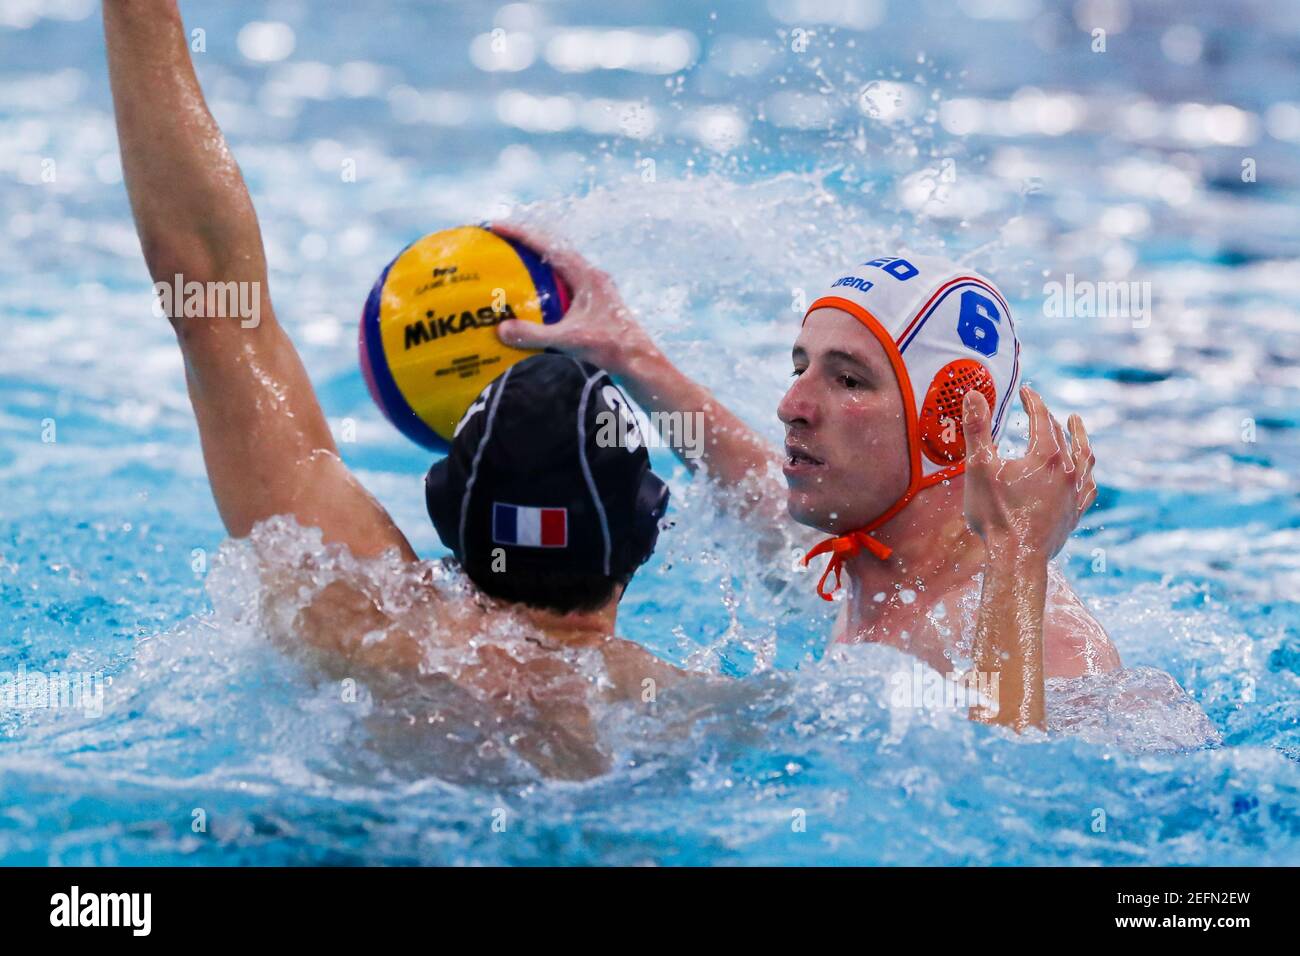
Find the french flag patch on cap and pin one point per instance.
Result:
(530, 527)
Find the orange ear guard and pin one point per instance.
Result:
(942, 438)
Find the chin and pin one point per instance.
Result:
(810, 513)
(815, 512)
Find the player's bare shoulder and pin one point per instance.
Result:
(1074, 641)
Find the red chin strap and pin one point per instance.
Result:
(842, 548)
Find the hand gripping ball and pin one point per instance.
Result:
(428, 339)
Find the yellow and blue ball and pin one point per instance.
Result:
(428, 338)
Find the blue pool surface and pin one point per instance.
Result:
(713, 193)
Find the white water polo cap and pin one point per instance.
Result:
(946, 330)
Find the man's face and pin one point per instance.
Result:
(846, 440)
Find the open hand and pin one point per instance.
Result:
(1032, 503)
(598, 327)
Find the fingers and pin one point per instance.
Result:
(1046, 438)
(530, 335)
(1081, 452)
(1037, 413)
(1080, 446)
(1062, 444)
(564, 258)
(981, 457)
(590, 286)
(977, 428)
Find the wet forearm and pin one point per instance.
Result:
(191, 207)
(730, 450)
(1009, 635)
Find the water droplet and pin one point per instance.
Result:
(880, 99)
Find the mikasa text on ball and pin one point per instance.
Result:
(428, 338)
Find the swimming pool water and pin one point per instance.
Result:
(769, 167)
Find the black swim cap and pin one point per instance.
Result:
(533, 470)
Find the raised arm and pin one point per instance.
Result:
(1024, 509)
(600, 328)
(266, 444)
